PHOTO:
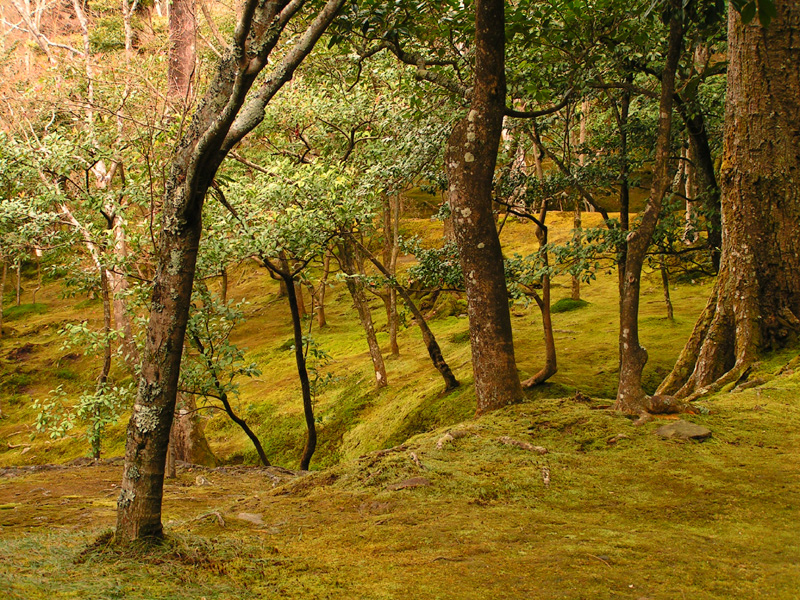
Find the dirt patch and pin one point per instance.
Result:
(21, 353)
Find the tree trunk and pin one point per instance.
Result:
(470, 162)
(356, 289)
(633, 357)
(19, 280)
(2, 294)
(550, 367)
(182, 38)
(319, 295)
(302, 372)
(434, 351)
(665, 285)
(707, 178)
(755, 305)
(391, 251)
(188, 442)
(225, 115)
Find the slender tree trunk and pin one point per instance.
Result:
(624, 186)
(19, 281)
(356, 289)
(665, 285)
(434, 351)
(703, 160)
(2, 294)
(102, 379)
(305, 384)
(390, 254)
(633, 357)
(576, 237)
(755, 304)
(224, 286)
(320, 294)
(470, 162)
(182, 42)
(550, 367)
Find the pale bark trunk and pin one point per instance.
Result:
(2, 294)
(19, 281)
(182, 48)
(349, 265)
(470, 162)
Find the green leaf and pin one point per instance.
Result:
(748, 12)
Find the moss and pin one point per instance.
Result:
(15, 313)
(568, 304)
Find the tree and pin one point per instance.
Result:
(470, 162)
(182, 39)
(633, 357)
(225, 115)
(755, 304)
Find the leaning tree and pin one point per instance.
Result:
(228, 111)
(755, 304)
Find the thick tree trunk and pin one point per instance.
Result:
(182, 42)
(470, 162)
(225, 115)
(349, 265)
(188, 442)
(755, 305)
(633, 357)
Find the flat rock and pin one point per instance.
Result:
(251, 518)
(409, 483)
(683, 430)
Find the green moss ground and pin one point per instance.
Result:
(638, 518)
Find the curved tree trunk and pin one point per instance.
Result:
(755, 305)
(633, 357)
(550, 367)
(470, 162)
(226, 114)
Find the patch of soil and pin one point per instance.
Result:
(21, 353)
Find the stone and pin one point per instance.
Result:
(409, 483)
(251, 518)
(683, 430)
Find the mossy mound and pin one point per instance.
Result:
(568, 304)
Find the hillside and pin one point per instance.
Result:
(353, 417)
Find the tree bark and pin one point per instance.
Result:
(225, 115)
(633, 357)
(550, 367)
(470, 161)
(302, 371)
(2, 294)
(349, 265)
(182, 48)
(755, 304)
(434, 351)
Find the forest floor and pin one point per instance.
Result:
(625, 514)
(394, 508)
